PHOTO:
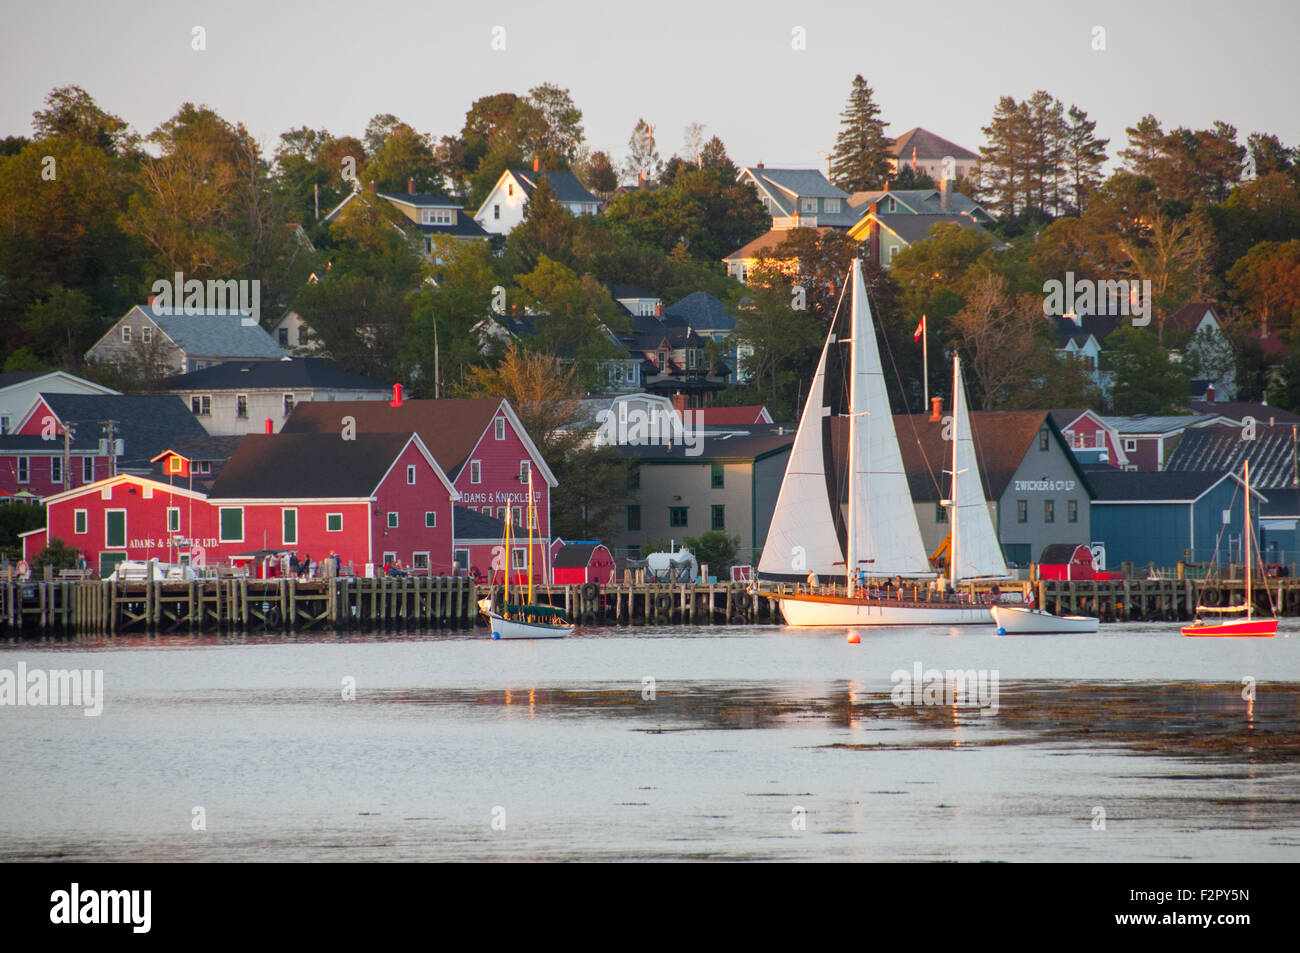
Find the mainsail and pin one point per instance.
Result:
(975, 550)
(886, 539)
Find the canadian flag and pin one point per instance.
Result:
(920, 329)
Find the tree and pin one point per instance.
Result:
(570, 311)
(1145, 146)
(999, 330)
(399, 154)
(715, 549)
(56, 554)
(1267, 280)
(643, 161)
(63, 326)
(1085, 154)
(15, 520)
(1022, 164)
(1143, 379)
(1269, 155)
(361, 320)
(588, 501)
(597, 174)
(908, 178)
(560, 134)
(713, 155)
(544, 391)
(547, 231)
(444, 316)
(71, 114)
(1174, 256)
(860, 160)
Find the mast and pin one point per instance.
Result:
(506, 599)
(530, 535)
(850, 552)
(954, 510)
(1250, 604)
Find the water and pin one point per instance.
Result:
(763, 744)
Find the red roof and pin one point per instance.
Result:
(732, 416)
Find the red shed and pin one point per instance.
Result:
(582, 562)
(1069, 561)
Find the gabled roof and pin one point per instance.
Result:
(769, 239)
(1089, 325)
(916, 228)
(1159, 425)
(451, 429)
(576, 555)
(1190, 315)
(1274, 454)
(731, 416)
(703, 312)
(207, 447)
(919, 201)
(146, 423)
(312, 466)
(627, 291)
(212, 333)
(14, 378)
(565, 185)
(1058, 554)
(471, 524)
(926, 145)
(422, 199)
(298, 372)
(1239, 410)
(788, 184)
(1163, 486)
(713, 447)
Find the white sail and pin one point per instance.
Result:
(802, 535)
(887, 538)
(975, 550)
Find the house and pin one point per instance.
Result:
(581, 562)
(670, 359)
(799, 198)
(1242, 412)
(1090, 439)
(740, 416)
(945, 200)
(706, 315)
(742, 261)
(478, 548)
(427, 214)
(503, 208)
(479, 443)
(378, 498)
(1170, 517)
(36, 458)
(1081, 337)
(194, 461)
(1148, 441)
(238, 397)
(636, 301)
(1070, 561)
(1037, 491)
(291, 332)
(184, 342)
(19, 390)
(604, 419)
(1199, 326)
(923, 151)
(887, 234)
(725, 483)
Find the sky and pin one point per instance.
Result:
(769, 78)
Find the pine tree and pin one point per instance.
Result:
(1084, 156)
(1145, 145)
(861, 160)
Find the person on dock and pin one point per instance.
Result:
(812, 580)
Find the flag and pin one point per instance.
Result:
(920, 329)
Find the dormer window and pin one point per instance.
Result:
(890, 205)
(439, 216)
(809, 205)
(830, 205)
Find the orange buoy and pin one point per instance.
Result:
(854, 638)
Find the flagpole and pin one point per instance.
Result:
(925, 363)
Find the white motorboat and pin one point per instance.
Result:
(1021, 620)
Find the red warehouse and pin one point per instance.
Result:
(582, 562)
(479, 549)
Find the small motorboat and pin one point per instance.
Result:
(1021, 620)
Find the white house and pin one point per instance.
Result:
(19, 390)
(503, 209)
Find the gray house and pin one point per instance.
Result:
(184, 342)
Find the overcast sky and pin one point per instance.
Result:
(278, 64)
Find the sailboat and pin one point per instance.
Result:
(526, 620)
(877, 535)
(1247, 625)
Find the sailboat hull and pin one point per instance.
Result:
(838, 611)
(1249, 628)
(503, 628)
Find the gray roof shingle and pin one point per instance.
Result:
(146, 423)
(301, 372)
(215, 334)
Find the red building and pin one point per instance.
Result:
(379, 497)
(480, 444)
(479, 548)
(1068, 561)
(582, 562)
(1091, 440)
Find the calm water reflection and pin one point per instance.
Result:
(659, 744)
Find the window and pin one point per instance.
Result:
(126, 334)
(79, 521)
(496, 211)
(333, 522)
(430, 519)
(940, 513)
(1130, 445)
(231, 524)
(438, 216)
(56, 470)
(501, 513)
(284, 337)
(719, 518)
(461, 557)
(524, 470)
(241, 406)
(633, 518)
(173, 519)
(517, 516)
(499, 429)
(520, 556)
(830, 205)
(175, 464)
(717, 476)
(289, 525)
(392, 521)
(87, 469)
(510, 188)
(4, 425)
(420, 561)
(1022, 511)
(677, 516)
(201, 406)
(146, 335)
(891, 205)
(1043, 437)
(893, 252)
(204, 467)
(1072, 511)
(24, 469)
(115, 529)
(410, 475)
(809, 205)
(390, 559)
(288, 404)
(1049, 511)
(475, 472)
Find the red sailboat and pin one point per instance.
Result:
(1247, 625)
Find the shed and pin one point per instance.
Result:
(1069, 561)
(582, 562)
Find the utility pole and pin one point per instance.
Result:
(69, 431)
(110, 428)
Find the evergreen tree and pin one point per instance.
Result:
(1085, 154)
(861, 160)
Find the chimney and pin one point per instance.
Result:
(945, 195)
(410, 186)
(373, 188)
(640, 179)
(269, 427)
(537, 164)
(1209, 392)
(759, 166)
(871, 208)
(936, 408)
(679, 403)
(886, 185)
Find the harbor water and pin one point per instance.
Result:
(760, 743)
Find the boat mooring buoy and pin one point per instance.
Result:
(854, 638)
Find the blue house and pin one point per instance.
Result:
(1169, 517)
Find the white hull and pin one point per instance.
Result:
(512, 629)
(813, 612)
(1014, 620)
